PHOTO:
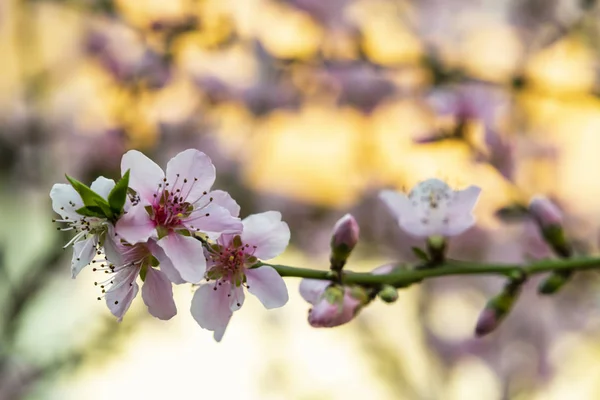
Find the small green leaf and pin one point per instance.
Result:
(118, 194)
(91, 211)
(144, 271)
(420, 254)
(89, 197)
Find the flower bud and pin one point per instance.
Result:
(388, 294)
(549, 219)
(554, 282)
(343, 240)
(497, 308)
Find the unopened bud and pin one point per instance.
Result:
(497, 308)
(343, 240)
(388, 294)
(554, 282)
(549, 219)
(335, 307)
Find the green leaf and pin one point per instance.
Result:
(420, 253)
(89, 197)
(91, 211)
(118, 194)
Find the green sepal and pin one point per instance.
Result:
(162, 231)
(554, 282)
(154, 261)
(334, 294)
(144, 271)
(237, 241)
(214, 274)
(89, 197)
(118, 194)
(420, 254)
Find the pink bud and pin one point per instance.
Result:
(488, 321)
(345, 233)
(327, 315)
(545, 212)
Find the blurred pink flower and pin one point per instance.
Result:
(90, 231)
(433, 208)
(545, 212)
(264, 236)
(165, 207)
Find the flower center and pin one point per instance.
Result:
(229, 261)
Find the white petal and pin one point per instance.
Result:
(210, 308)
(417, 227)
(103, 186)
(213, 219)
(224, 199)
(266, 284)
(166, 266)
(113, 247)
(457, 225)
(186, 254)
(312, 289)
(157, 293)
(83, 254)
(236, 300)
(192, 172)
(267, 232)
(144, 175)
(65, 200)
(122, 292)
(135, 226)
(464, 200)
(397, 202)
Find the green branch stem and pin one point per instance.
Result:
(405, 277)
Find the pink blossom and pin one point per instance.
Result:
(168, 207)
(332, 305)
(126, 263)
(90, 232)
(263, 236)
(432, 208)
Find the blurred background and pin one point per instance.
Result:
(308, 107)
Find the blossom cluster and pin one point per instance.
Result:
(165, 228)
(168, 227)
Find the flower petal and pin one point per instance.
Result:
(312, 289)
(65, 201)
(103, 186)
(192, 172)
(213, 219)
(157, 293)
(166, 266)
(144, 175)
(113, 247)
(135, 225)
(267, 232)
(224, 199)
(83, 254)
(186, 254)
(266, 284)
(458, 224)
(464, 200)
(123, 291)
(210, 308)
(397, 202)
(236, 300)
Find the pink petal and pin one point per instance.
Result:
(267, 232)
(166, 266)
(415, 227)
(457, 225)
(312, 289)
(102, 186)
(113, 247)
(224, 199)
(144, 175)
(192, 172)
(210, 308)
(123, 291)
(83, 254)
(186, 254)
(65, 201)
(397, 202)
(213, 219)
(464, 200)
(157, 293)
(236, 300)
(266, 284)
(135, 225)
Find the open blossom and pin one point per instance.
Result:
(264, 236)
(90, 232)
(433, 208)
(169, 206)
(125, 264)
